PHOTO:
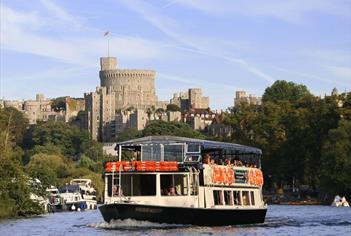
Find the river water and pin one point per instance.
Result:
(280, 220)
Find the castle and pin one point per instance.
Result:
(192, 99)
(126, 98)
(122, 101)
(241, 97)
(131, 87)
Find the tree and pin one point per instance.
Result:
(173, 107)
(59, 104)
(160, 127)
(14, 188)
(14, 123)
(282, 90)
(336, 160)
(47, 168)
(129, 133)
(69, 139)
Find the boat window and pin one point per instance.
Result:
(218, 197)
(252, 198)
(246, 198)
(237, 198)
(192, 158)
(173, 153)
(192, 147)
(228, 198)
(174, 184)
(135, 185)
(151, 153)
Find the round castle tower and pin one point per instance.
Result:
(133, 88)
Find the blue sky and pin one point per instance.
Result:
(53, 47)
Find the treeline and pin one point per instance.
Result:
(306, 140)
(53, 152)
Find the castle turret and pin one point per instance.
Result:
(108, 63)
(132, 88)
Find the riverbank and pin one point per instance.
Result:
(289, 199)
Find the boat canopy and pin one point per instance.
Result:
(204, 144)
(185, 150)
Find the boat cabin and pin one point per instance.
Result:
(185, 172)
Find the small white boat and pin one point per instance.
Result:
(340, 202)
(78, 195)
(87, 191)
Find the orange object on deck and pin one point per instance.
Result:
(217, 178)
(118, 165)
(149, 166)
(230, 175)
(255, 177)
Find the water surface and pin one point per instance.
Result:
(280, 220)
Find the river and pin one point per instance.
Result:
(280, 220)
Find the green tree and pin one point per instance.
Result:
(336, 160)
(159, 127)
(14, 188)
(14, 123)
(129, 133)
(173, 107)
(69, 139)
(282, 90)
(47, 168)
(59, 104)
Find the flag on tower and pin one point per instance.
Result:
(106, 33)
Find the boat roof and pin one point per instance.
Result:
(205, 144)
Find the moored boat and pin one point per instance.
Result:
(340, 202)
(77, 196)
(184, 181)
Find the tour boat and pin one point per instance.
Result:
(169, 179)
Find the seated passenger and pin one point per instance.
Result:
(172, 191)
(117, 191)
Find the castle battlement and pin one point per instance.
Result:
(128, 73)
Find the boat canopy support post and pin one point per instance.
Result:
(120, 173)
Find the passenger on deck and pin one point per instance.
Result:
(172, 191)
(238, 163)
(227, 162)
(117, 191)
(206, 159)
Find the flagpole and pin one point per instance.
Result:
(108, 46)
(107, 34)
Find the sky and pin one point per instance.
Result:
(53, 47)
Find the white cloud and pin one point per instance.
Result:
(310, 76)
(172, 29)
(24, 32)
(293, 11)
(61, 13)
